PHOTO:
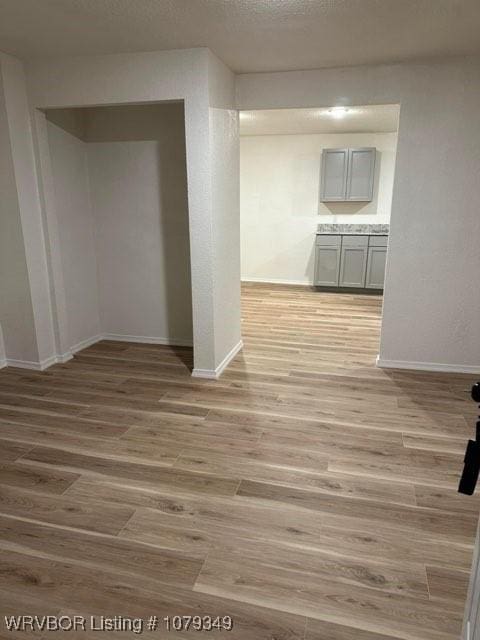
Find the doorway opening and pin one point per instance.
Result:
(315, 201)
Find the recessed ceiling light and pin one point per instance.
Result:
(338, 112)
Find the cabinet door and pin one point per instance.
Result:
(376, 267)
(361, 173)
(334, 175)
(327, 266)
(353, 266)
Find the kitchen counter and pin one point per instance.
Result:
(353, 229)
(351, 256)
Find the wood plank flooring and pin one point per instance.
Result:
(307, 494)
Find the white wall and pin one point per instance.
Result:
(279, 200)
(138, 187)
(226, 208)
(220, 250)
(16, 313)
(224, 154)
(202, 81)
(21, 159)
(432, 301)
(432, 298)
(76, 232)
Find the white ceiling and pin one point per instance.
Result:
(371, 119)
(249, 35)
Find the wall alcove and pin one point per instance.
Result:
(120, 198)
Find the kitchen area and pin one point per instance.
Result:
(350, 255)
(315, 196)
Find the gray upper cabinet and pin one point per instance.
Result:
(361, 174)
(348, 175)
(334, 174)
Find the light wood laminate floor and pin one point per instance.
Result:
(307, 494)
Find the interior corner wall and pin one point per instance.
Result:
(16, 312)
(74, 219)
(432, 299)
(279, 200)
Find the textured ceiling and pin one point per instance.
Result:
(249, 35)
(373, 119)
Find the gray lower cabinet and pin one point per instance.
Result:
(350, 261)
(377, 257)
(327, 265)
(353, 266)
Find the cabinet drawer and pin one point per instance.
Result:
(323, 240)
(378, 241)
(355, 241)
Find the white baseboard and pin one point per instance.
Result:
(173, 342)
(304, 283)
(61, 359)
(31, 364)
(83, 344)
(65, 357)
(427, 366)
(213, 374)
(23, 364)
(48, 362)
(57, 359)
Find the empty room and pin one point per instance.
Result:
(239, 310)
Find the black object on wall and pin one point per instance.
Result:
(471, 468)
